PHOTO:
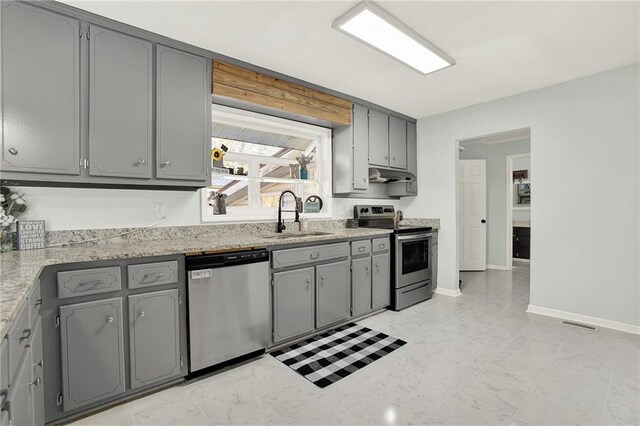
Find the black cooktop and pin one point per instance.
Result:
(408, 229)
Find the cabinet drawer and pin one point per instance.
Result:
(302, 255)
(18, 336)
(360, 247)
(88, 281)
(35, 301)
(381, 244)
(150, 274)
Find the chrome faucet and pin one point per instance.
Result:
(281, 226)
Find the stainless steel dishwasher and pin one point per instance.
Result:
(228, 306)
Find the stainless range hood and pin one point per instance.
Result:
(388, 176)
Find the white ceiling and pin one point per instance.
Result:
(501, 48)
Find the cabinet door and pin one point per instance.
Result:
(412, 156)
(92, 352)
(360, 286)
(154, 333)
(37, 363)
(20, 397)
(381, 280)
(397, 143)
(333, 288)
(120, 110)
(292, 303)
(378, 138)
(183, 115)
(360, 127)
(40, 89)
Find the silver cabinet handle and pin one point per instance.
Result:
(160, 275)
(141, 314)
(140, 162)
(13, 151)
(381, 246)
(91, 283)
(386, 157)
(361, 249)
(314, 255)
(26, 333)
(109, 319)
(38, 302)
(165, 163)
(36, 382)
(39, 364)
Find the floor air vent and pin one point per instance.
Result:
(578, 324)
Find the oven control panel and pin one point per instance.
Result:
(362, 211)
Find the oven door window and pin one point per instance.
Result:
(415, 256)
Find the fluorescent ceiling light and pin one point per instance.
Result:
(372, 25)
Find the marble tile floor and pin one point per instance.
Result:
(475, 359)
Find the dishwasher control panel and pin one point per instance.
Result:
(201, 273)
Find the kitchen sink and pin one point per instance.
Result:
(297, 235)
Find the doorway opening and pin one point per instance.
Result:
(494, 202)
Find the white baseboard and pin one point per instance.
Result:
(600, 322)
(448, 292)
(515, 259)
(498, 267)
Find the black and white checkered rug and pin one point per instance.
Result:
(331, 356)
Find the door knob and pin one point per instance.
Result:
(483, 221)
(13, 151)
(109, 320)
(142, 313)
(165, 163)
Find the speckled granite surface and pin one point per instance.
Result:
(20, 269)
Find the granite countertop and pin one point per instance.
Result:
(19, 270)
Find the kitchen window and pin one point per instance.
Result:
(260, 162)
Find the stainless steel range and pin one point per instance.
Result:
(415, 250)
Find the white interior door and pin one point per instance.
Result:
(472, 210)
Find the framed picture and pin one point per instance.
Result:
(30, 234)
(520, 174)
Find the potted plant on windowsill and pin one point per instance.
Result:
(12, 205)
(304, 160)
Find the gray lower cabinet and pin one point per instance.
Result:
(378, 138)
(381, 280)
(154, 335)
(92, 351)
(20, 397)
(397, 143)
(40, 90)
(120, 104)
(333, 289)
(37, 384)
(183, 115)
(293, 302)
(360, 286)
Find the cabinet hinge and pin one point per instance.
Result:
(272, 283)
(179, 298)
(273, 336)
(56, 321)
(59, 399)
(181, 362)
(87, 34)
(81, 33)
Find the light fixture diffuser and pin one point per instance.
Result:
(375, 27)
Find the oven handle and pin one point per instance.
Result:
(413, 237)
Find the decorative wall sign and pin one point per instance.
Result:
(30, 234)
(520, 174)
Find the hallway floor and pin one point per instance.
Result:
(474, 359)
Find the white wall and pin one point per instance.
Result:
(81, 208)
(496, 156)
(585, 148)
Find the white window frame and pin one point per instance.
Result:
(323, 173)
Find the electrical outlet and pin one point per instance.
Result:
(161, 210)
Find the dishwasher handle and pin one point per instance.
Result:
(220, 260)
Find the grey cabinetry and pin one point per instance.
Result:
(92, 351)
(37, 386)
(378, 138)
(20, 397)
(154, 334)
(293, 298)
(360, 178)
(40, 98)
(351, 153)
(120, 104)
(397, 143)
(412, 156)
(381, 280)
(360, 286)
(183, 115)
(333, 288)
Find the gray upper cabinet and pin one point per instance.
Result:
(92, 352)
(360, 148)
(397, 143)
(333, 289)
(360, 286)
(183, 115)
(120, 104)
(40, 90)
(381, 280)
(293, 298)
(412, 156)
(154, 334)
(378, 138)
(351, 153)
